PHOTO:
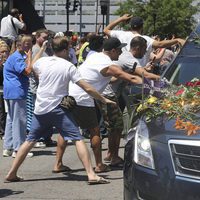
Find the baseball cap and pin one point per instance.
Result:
(59, 34)
(136, 22)
(113, 43)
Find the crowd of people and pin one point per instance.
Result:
(97, 71)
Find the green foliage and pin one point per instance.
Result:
(163, 17)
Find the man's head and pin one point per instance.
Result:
(96, 43)
(14, 12)
(41, 35)
(113, 47)
(138, 46)
(136, 24)
(60, 47)
(89, 35)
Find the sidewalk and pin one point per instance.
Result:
(40, 183)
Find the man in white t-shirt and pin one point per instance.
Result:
(54, 74)
(11, 24)
(136, 24)
(97, 70)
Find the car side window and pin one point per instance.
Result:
(184, 70)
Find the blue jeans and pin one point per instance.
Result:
(15, 131)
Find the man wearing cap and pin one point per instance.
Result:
(136, 24)
(97, 70)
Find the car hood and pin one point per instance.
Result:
(162, 129)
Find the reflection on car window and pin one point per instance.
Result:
(184, 70)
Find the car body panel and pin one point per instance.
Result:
(169, 180)
(159, 184)
(163, 129)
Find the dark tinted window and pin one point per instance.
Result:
(186, 65)
(183, 70)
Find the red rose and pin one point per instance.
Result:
(179, 92)
(197, 83)
(189, 84)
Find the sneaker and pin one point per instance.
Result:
(7, 152)
(70, 142)
(29, 155)
(41, 145)
(14, 154)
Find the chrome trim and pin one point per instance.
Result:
(183, 142)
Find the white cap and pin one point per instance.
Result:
(59, 34)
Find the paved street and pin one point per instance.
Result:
(41, 183)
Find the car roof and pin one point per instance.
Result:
(192, 45)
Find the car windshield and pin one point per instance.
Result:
(186, 66)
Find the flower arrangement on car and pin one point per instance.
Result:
(178, 102)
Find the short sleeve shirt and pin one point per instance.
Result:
(32, 79)
(124, 37)
(54, 75)
(91, 72)
(143, 61)
(15, 84)
(127, 61)
(7, 29)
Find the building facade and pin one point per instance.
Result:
(55, 15)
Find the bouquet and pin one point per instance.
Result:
(178, 102)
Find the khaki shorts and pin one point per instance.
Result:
(85, 117)
(112, 115)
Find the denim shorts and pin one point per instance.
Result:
(59, 118)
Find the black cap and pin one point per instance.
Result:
(136, 22)
(113, 43)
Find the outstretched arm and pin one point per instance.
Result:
(156, 57)
(92, 92)
(167, 43)
(110, 26)
(141, 71)
(117, 72)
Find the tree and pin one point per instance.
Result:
(163, 17)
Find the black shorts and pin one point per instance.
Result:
(85, 117)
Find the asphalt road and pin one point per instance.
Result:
(41, 183)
